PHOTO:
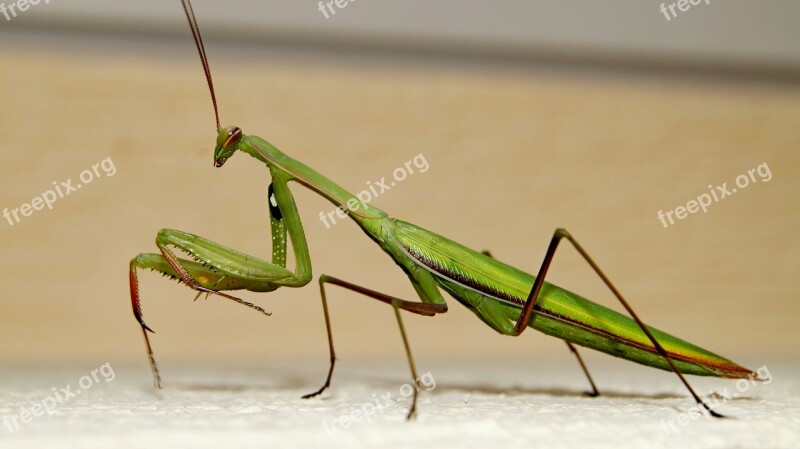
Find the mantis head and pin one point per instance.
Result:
(231, 138)
(228, 141)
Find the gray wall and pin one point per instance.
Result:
(730, 34)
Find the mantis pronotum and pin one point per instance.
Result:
(507, 299)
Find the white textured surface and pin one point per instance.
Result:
(474, 404)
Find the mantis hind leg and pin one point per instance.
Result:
(595, 392)
(433, 304)
(527, 311)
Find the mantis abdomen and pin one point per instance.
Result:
(496, 293)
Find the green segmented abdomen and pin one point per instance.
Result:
(558, 312)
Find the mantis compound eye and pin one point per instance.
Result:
(227, 143)
(234, 133)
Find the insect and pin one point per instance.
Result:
(507, 299)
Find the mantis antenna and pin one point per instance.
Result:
(201, 49)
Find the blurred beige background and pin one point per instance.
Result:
(514, 151)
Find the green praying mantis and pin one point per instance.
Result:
(505, 298)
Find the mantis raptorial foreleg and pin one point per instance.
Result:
(216, 268)
(432, 304)
(527, 311)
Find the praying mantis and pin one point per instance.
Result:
(505, 298)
